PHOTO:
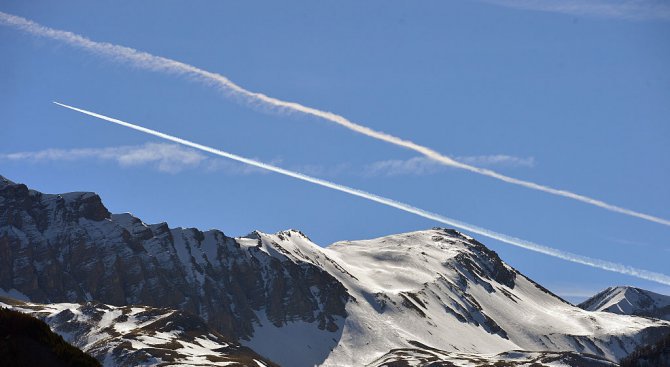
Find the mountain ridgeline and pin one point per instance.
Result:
(436, 295)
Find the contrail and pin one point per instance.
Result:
(151, 62)
(596, 263)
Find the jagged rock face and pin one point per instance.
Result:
(69, 248)
(130, 336)
(630, 301)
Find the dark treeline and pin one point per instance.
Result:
(654, 355)
(28, 341)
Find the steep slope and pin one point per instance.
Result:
(630, 301)
(27, 341)
(139, 335)
(291, 300)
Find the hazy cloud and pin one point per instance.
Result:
(575, 294)
(426, 166)
(626, 242)
(164, 157)
(174, 158)
(622, 9)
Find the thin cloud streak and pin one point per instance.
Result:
(174, 158)
(630, 9)
(596, 263)
(164, 157)
(147, 61)
(169, 158)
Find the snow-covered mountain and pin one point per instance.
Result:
(295, 302)
(130, 336)
(630, 301)
(445, 290)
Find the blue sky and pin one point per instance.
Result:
(575, 97)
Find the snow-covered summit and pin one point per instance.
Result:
(626, 300)
(423, 255)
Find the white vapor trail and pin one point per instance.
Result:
(151, 62)
(596, 263)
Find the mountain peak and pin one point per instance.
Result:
(626, 300)
(86, 205)
(425, 254)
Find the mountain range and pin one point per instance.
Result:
(128, 292)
